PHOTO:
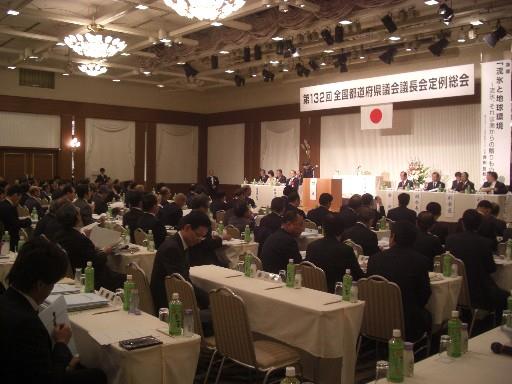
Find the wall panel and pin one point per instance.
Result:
(226, 152)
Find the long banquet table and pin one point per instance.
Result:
(262, 194)
(453, 204)
(144, 258)
(6, 264)
(312, 321)
(444, 297)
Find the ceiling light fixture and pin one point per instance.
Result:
(93, 44)
(229, 71)
(181, 63)
(462, 36)
(13, 12)
(65, 74)
(125, 54)
(283, 7)
(141, 7)
(224, 52)
(274, 62)
(388, 56)
(266, 3)
(92, 69)
(216, 24)
(300, 3)
(61, 44)
(296, 53)
(205, 10)
(327, 36)
(389, 23)
(160, 85)
(278, 38)
(345, 22)
(328, 51)
(394, 38)
(431, 2)
(11, 67)
(476, 23)
(146, 73)
(472, 33)
(268, 76)
(116, 80)
(438, 47)
(339, 34)
(492, 38)
(446, 13)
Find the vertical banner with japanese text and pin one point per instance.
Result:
(495, 119)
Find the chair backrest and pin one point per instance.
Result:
(313, 277)
(502, 248)
(139, 236)
(464, 298)
(383, 310)
(146, 303)
(233, 337)
(177, 284)
(23, 234)
(358, 250)
(233, 231)
(219, 215)
(310, 224)
(257, 261)
(22, 211)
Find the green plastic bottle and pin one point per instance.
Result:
(447, 264)
(220, 228)
(151, 241)
(89, 278)
(508, 251)
(454, 331)
(20, 244)
(175, 315)
(290, 376)
(247, 234)
(247, 264)
(509, 301)
(382, 223)
(34, 216)
(129, 284)
(347, 285)
(6, 244)
(396, 357)
(290, 274)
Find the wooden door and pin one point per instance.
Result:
(15, 165)
(43, 165)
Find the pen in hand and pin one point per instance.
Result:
(54, 320)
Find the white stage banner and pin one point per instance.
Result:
(419, 85)
(495, 118)
(312, 189)
(450, 205)
(416, 201)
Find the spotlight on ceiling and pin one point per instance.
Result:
(389, 23)
(326, 35)
(189, 70)
(338, 34)
(492, 38)
(239, 81)
(462, 36)
(283, 7)
(214, 60)
(438, 47)
(257, 52)
(300, 3)
(341, 62)
(313, 64)
(268, 76)
(431, 2)
(302, 71)
(266, 3)
(247, 54)
(279, 47)
(446, 13)
(388, 56)
(289, 48)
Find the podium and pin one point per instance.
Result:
(312, 189)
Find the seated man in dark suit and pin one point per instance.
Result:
(488, 226)
(476, 253)
(271, 222)
(436, 182)
(131, 218)
(100, 200)
(26, 349)
(280, 177)
(212, 183)
(426, 243)
(219, 203)
(171, 213)
(348, 213)
(375, 205)
(263, 176)
(404, 266)
(246, 195)
(499, 225)
(402, 213)
(149, 221)
(457, 182)
(48, 225)
(492, 185)
(33, 200)
(441, 230)
(331, 255)
(173, 257)
(294, 203)
(282, 245)
(465, 184)
(9, 215)
(82, 203)
(242, 217)
(361, 233)
(404, 182)
(317, 215)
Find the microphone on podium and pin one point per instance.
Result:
(501, 349)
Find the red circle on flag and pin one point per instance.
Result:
(376, 115)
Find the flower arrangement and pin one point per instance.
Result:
(418, 172)
(307, 149)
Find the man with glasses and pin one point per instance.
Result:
(173, 257)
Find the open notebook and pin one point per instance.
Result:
(80, 301)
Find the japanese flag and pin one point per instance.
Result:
(377, 116)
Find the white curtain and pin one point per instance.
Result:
(226, 152)
(110, 144)
(176, 153)
(280, 142)
(445, 139)
(29, 130)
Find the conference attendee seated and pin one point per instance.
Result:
(241, 217)
(219, 203)
(33, 200)
(293, 181)
(81, 249)
(100, 200)
(456, 183)
(173, 257)
(238, 195)
(204, 252)
(404, 182)
(271, 176)
(375, 204)
(246, 195)
(82, 203)
(318, 214)
(149, 220)
(331, 255)
(29, 354)
(68, 191)
(212, 182)
(280, 177)
(402, 213)
(282, 245)
(465, 184)
(48, 225)
(402, 265)
(439, 229)
(271, 222)
(361, 233)
(488, 226)
(102, 177)
(348, 213)
(263, 176)
(9, 215)
(476, 253)
(163, 196)
(436, 183)
(492, 185)
(499, 225)
(294, 203)
(131, 218)
(171, 213)
(426, 243)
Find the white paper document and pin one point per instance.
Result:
(103, 237)
(58, 307)
(79, 301)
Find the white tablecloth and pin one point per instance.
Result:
(298, 317)
(360, 184)
(383, 234)
(453, 205)
(479, 366)
(503, 274)
(118, 261)
(232, 249)
(5, 266)
(262, 194)
(443, 301)
(173, 362)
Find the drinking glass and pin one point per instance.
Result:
(381, 371)
(282, 275)
(118, 298)
(163, 315)
(338, 288)
(444, 346)
(455, 270)
(241, 266)
(507, 318)
(437, 267)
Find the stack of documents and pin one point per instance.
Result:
(80, 301)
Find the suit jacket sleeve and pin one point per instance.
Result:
(159, 234)
(422, 283)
